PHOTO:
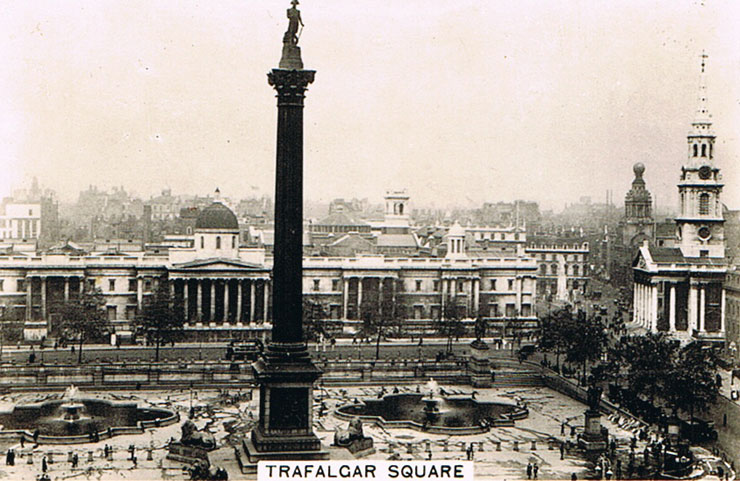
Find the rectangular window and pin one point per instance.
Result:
(335, 284)
(111, 284)
(510, 310)
(418, 285)
(460, 286)
(20, 285)
(526, 310)
(91, 283)
(111, 313)
(418, 312)
(2, 288)
(436, 286)
(493, 284)
(316, 285)
(703, 253)
(493, 310)
(511, 284)
(132, 285)
(147, 285)
(130, 313)
(435, 312)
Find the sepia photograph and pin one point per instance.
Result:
(418, 240)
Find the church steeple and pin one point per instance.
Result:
(700, 225)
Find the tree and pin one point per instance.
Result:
(449, 324)
(555, 331)
(314, 314)
(84, 319)
(378, 317)
(158, 320)
(586, 342)
(692, 383)
(649, 361)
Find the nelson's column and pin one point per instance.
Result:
(286, 374)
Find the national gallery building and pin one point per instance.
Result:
(223, 290)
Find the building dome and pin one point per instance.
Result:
(638, 169)
(217, 216)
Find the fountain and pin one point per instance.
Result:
(432, 410)
(70, 418)
(72, 408)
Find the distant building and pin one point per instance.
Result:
(222, 289)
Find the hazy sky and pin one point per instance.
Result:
(460, 101)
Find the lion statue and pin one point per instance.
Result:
(192, 437)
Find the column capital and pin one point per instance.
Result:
(291, 85)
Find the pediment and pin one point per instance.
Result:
(218, 265)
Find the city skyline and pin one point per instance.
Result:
(460, 103)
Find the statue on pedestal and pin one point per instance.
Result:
(593, 397)
(294, 19)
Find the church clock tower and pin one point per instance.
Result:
(700, 225)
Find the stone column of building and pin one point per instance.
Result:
(693, 299)
(654, 308)
(29, 298)
(185, 299)
(239, 294)
(702, 308)
(635, 302)
(212, 306)
(198, 301)
(251, 301)
(476, 297)
(359, 298)
(43, 298)
(66, 289)
(518, 287)
(266, 303)
(285, 373)
(226, 319)
(672, 310)
(139, 293)
(345, 298)
(722, 313)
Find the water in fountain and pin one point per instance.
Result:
(71, 409)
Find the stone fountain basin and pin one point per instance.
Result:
(107, 418)
(458, 415)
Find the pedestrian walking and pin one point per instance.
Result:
(562, 451)
(44, 465)
(535, 468)
(529, 470)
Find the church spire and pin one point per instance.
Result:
(702, 112)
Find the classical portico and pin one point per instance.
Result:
(221, 292)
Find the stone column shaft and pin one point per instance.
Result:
(29, 298)
(239, 293)
(226, 301)
(43, 298)
(252, 297)
(702, 308)
(66, 289)
(185, 299)
(212, 307)
(345, 298)
(672, 310)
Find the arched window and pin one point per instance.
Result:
(218, 242)
(543, 269)
(400, 209)
(696, 150)
(703, 150)
(554, 269)
(704, 204)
